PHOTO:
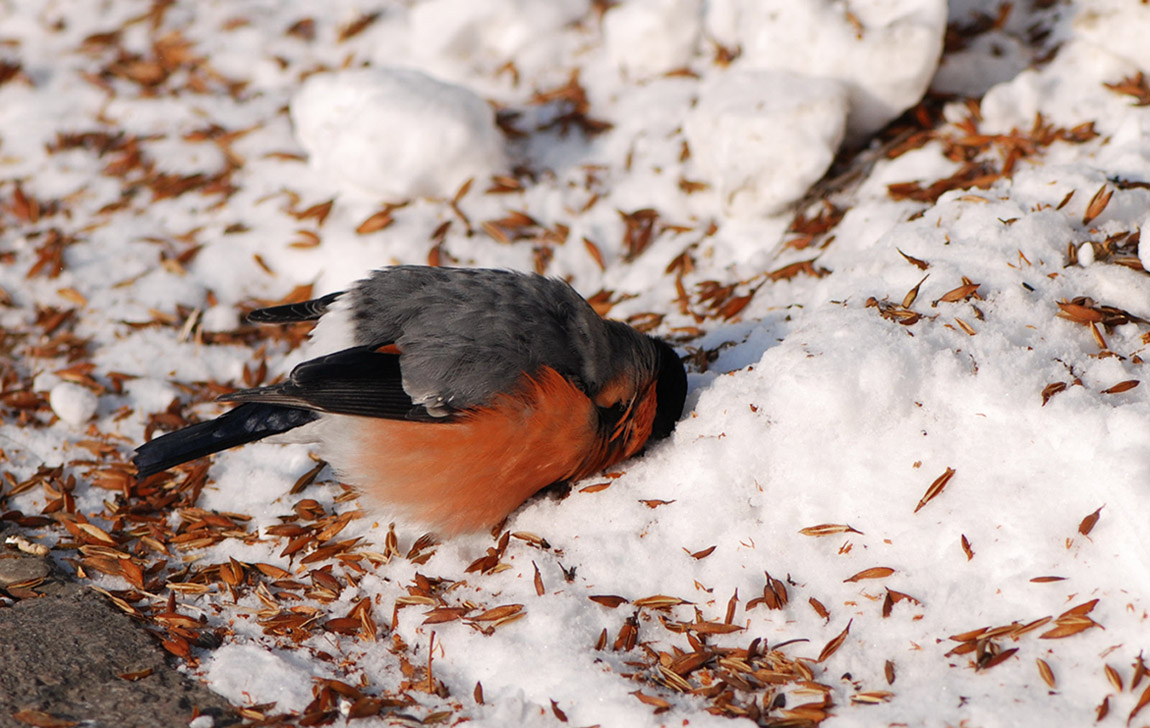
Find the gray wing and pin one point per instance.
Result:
(468, 334)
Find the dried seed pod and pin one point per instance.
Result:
(1097, 204)
(935, 488)
(831, 647)
(1090, 521)
(912, 294)
(828, 529)
(920, 264)
(1113, 676)
(1121, 386)
(659, 601)
(876, 572)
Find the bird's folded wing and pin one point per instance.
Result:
(359, 381)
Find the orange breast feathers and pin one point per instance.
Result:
(469, 474)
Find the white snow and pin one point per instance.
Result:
(247, 674)
(153, 185)
(884, 52)
(764, 137)
(395, 133)
(72, 403)
(649, 37)
(1115, 27)
(463, 37)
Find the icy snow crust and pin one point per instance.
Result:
(842, 393)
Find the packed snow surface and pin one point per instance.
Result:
(912, 483)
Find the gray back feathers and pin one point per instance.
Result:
(468, 334)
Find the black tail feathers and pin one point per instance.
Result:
(246, 423)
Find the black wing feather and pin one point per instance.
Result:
(358, 381)
(293, 312)
(246, 423)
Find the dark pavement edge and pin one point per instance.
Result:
(63, 653)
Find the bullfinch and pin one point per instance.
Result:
(453, 394)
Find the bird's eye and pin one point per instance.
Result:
(613, 416)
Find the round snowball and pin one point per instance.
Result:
(72, 403)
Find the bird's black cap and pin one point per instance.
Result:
(670, 391)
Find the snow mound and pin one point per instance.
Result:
(448, 34)
(1118, 27)
(766, 136)
(648, 37)
(395, 133)
(884, 52)
(244, 673)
